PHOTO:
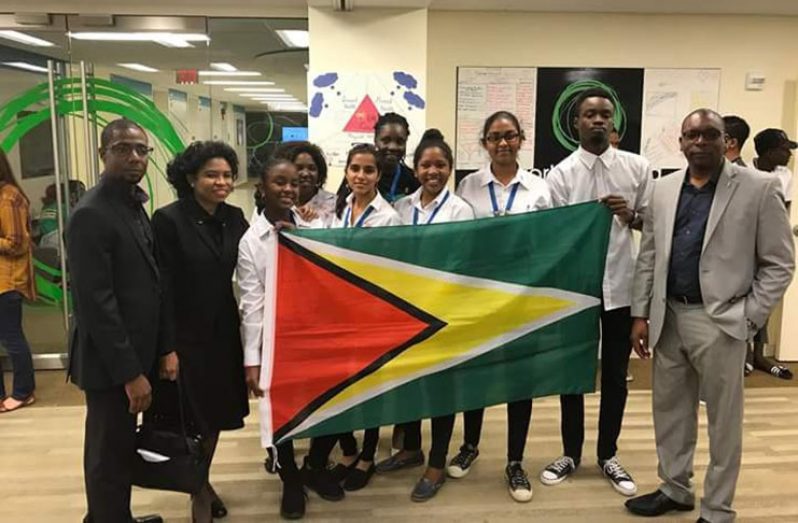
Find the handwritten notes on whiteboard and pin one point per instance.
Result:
(481, 91)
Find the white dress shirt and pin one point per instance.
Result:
(785, 177)
(584, 177)
(446, 207)
(323, 202)
(379, 213)
(530, 193)
(256, 274)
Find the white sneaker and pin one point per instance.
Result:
(557, 471)
(618, 477)
(460, 465)
(518, 483)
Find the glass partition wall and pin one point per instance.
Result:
(63, 77)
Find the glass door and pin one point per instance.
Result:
(33, 64)
(64, 77)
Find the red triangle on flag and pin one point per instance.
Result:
(364, 118)
(324, 340)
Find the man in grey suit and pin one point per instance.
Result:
(716, 255)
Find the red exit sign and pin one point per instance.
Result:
(187, 76)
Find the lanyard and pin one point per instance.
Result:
(362, 219)
(434, 213)
(395, 183)
(508, 206)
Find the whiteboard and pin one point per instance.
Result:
(481, 91)
(668, 96)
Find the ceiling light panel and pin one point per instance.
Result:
(176, 40)
(237, 82)
(138, 67)
(231, 73)
(27, 66)
(223, 66)
(254, 89)
(294, 37)
(22, 38)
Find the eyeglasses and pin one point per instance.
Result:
(124, 149)
(709, 135)
(509, 137)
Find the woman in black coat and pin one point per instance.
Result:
(197, 246)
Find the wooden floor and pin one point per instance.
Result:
(41, 448)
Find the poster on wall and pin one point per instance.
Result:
(669, 95)
(202, 123)
(344, 106)
(558, 88)
(177, 105)
(481, 91)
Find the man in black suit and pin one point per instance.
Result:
(116, 338)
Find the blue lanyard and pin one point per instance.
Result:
(362, 219)
(434, 213)
(509, 205)
(395, 183)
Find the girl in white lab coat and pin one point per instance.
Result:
(432, 203)
(364, 207)
(279, 191)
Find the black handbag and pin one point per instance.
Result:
(170, 460)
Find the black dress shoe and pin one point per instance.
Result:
(358, 479)
(339, 472)
(655, 504)
(292, 504)
(395, 462)
(701, 520)
(152, 518)
(218, 510)
(321, 482)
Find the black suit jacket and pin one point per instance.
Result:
(115, 288)
(197, 271)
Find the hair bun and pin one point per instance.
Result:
(432, 134)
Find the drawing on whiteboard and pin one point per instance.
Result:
(670, 94)
(344, 106)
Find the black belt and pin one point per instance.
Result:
(687, 300)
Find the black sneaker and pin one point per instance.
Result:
(460, 465)
(780, 371)
(618, 477)
(322, 483)
(518, 482)
(292, 504)
(558, 470)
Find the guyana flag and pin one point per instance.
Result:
(378, 326)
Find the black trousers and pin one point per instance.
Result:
(519, 414)
(108, 454)
(348, 443)
(318, 455)
(412, 440)
(616, 325)
(412, 435)
(442, 428)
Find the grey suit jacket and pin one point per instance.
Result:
(747, 259)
